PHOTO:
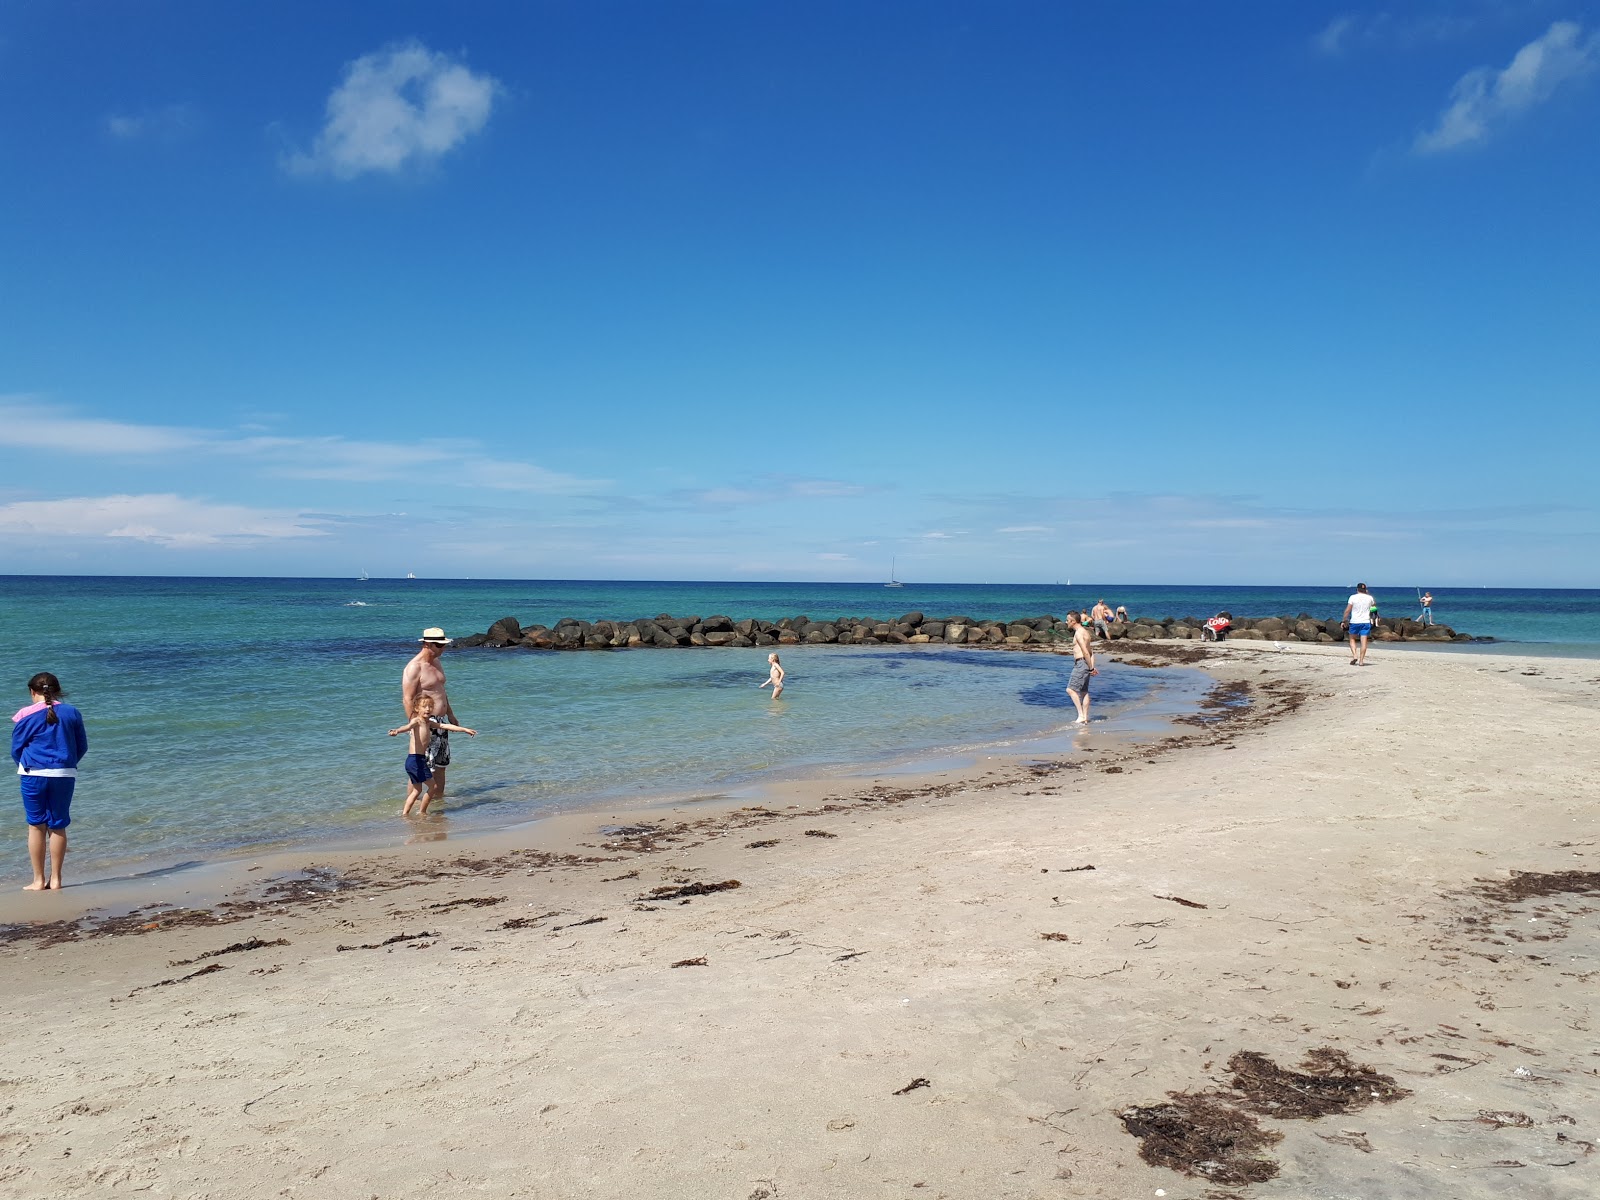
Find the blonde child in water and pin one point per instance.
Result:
(418, 772)
(775, 677)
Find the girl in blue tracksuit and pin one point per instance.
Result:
(47, 740)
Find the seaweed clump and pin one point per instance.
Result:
(1328, 1082)
(1539, 885)
(1200, 1134)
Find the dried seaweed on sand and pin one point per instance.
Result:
(1328, 1082)
(1202, 1135)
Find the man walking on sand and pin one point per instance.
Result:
(1082, 667)
(1358, 615)
(424, 676)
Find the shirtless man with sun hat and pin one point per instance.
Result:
(424, 676)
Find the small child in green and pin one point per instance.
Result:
(418, 772)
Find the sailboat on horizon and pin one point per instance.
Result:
(893, 582)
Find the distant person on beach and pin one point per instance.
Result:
(423, 726)
(424, 676)
(1426, 616)
(47, 742)
(775, 676)
(1216, 629)
(1359, 612)
(1103, 617)
(1082, 667)
(1122, 613)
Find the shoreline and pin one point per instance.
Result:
(976, 985)
(199, 882)
(115, 878)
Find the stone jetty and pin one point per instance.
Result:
(668, 632)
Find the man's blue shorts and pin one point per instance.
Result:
(1362, 630)
(417, 768)
(47, 800)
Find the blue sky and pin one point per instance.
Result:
(1256, 292)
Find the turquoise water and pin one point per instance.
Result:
(230, 715)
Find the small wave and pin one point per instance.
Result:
(356, 604)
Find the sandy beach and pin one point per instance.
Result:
(1287, 946)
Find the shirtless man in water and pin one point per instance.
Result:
(1082, 667)
(424, 676)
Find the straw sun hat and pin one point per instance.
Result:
(434, 636)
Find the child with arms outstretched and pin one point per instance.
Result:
(418, 772)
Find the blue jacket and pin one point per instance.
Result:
(37, 745)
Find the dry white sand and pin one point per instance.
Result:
(1335, 850)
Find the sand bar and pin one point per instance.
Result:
(880, 1012)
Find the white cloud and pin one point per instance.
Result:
(1331, 39)
(165, 519)
(28, 423)
(1485, 99)
(938, 535)
(1350, 32)
(170, 123)
(773, 490)
(825, 487)
(835, 558)
(1026, 529)
(401, 106)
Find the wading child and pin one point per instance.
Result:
(775, 676)
(422, 726)
(47, 741)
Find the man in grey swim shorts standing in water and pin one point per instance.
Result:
(424, 676)
(1082, 668)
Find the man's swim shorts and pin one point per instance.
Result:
(1080, 677)
(417, 769)
(439, 748)
(47, 800)
(1362, 630)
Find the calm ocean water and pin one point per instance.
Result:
(231, 715)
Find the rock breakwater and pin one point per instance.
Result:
(667, 632)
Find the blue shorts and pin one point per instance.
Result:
(417, 768)
(1362, 630)
(47, 800)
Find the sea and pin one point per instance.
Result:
(230, 717)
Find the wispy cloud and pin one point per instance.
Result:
(165, 519)
(26, 423)
(169, 123)
(1332, 38)
(1026, 529)
(772, 489)
(1349, 32)
(402, 106)
(1485, 99)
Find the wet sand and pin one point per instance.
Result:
(1283, 950)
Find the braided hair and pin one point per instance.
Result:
(47, 685)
